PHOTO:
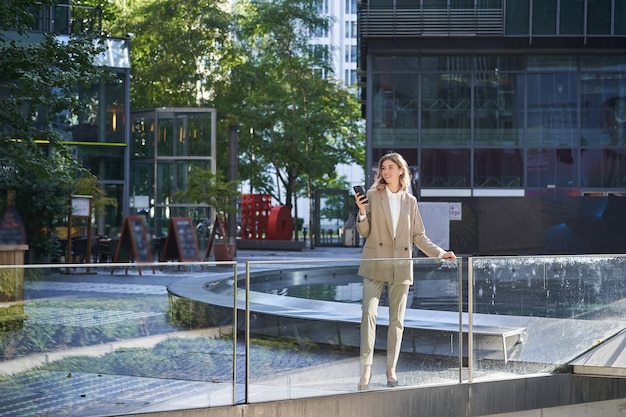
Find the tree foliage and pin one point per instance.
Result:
(292, 121)
(39, 75)
(176, 48)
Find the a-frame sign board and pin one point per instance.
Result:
(217, 225)
(181, 243)
(134, 244)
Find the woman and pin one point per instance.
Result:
(390, 222)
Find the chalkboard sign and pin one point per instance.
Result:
(181, 243)
(12, 228)
(134, 244)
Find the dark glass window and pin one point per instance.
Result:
(572, 17)
(544, 17)
(552, 110)
(105, 162)
(499, 63)
(604, 62)
(604, 168)
(551, 167)
(381, 4)
(603, 109)
(442, 168)
(446, 109)
(489, 4)
(620, 18)
(435, 4)
(502, 168)
(517, 17)
(498, 109)
(599, 17)
(461, 4)
(395, 110)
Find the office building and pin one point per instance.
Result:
(516, 109)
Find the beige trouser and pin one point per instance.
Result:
(398, 294)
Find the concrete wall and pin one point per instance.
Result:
(558, 395)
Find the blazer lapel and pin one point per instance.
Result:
(386, 209)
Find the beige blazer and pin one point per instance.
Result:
(377, 229)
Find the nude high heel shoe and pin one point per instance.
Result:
(391, 383)
(365, 387)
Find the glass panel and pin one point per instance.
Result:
(436, 4)
(142, 179)
(105, 162)
(107, 225)
(498, 109)
(193, 134)
(567, 303)
(517, 17)
(603, 102)
(552, 63)
(552, 168)
(93, 346)
(461, 4)
(604, 168)
(572, 17)
(603, 62)
(489, 63)
(388, 64)
(381, 4)
(552, 109)
(599, 17)
(142, 137)
(446, 115)
(620, 18)
(544, 17)
(445, 168)
(115, 110)
(429, 351)
(395, 111)
(166, 142)
(489, 4)
(448, 63)
(173, 176)
(502, 168)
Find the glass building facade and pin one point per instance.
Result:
(167, 143)
(497, 98)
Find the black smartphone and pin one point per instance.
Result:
(359, 190)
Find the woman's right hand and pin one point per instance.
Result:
(361, 202)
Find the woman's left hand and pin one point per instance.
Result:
(449, 256)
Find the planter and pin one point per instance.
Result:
(224, 251)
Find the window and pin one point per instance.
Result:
(599, 17)
(572, 17)
(442, 168)
(350, 77)
(544, 17)
(351, 31)
(351, 7)
(552, 109)
(552, 167)
(351, 53)
(517, 16)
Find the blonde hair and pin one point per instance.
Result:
(405, 174)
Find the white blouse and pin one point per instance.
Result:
(395, 200)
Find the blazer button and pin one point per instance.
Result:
(406, 249)
(380, 243)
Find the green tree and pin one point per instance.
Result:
(293, 122)
(39, 74)
(176, 48)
